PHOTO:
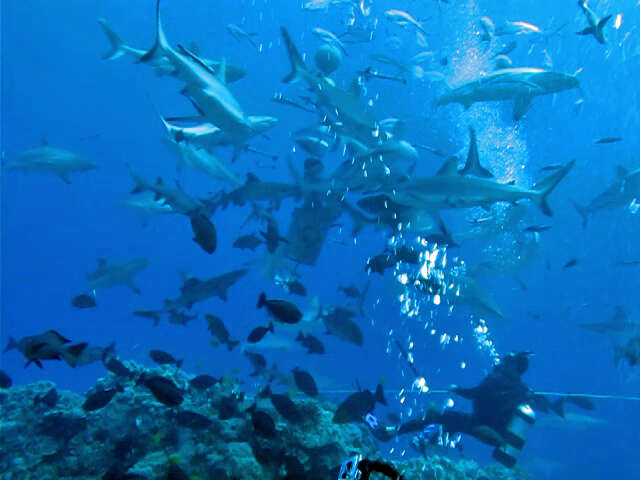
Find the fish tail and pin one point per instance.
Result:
(118, 48)
(262, 299)
(546, 186)
(232, 344)
(297, 63)
(584, 214)
(161, 44)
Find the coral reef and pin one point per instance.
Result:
(215, 432)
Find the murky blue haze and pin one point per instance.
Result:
(55, 85)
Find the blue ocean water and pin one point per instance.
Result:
(55, 85)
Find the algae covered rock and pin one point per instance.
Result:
(214, 433)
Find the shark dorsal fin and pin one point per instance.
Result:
(449, 167)
(102, 261)
(43, 141)
(621, 171)
(473, 167)
(159, 181)
(251, 178)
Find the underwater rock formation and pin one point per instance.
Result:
(215, 432)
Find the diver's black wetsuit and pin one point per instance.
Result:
(495, 400)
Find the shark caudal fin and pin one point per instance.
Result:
(117, 49)
(161, 45)
(473, 167)
(584, 214)
(297, 63)
(546, 186)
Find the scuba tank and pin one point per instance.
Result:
(515, 435)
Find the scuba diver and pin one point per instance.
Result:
(502, 411)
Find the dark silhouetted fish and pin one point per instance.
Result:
(283, 405)
(262, 423)
(163, 358)
(536, 228)
(571, 263)
(100, 398)
(295, 287)
(258, 361)
(338, 321)
(204, 233)
(84, 301)
(357, 405)
(163, 389)
(49, 345)
(272, 235)
(228, 406)
(350, 291)
(50, 399)
(217, 329)
(247, 242)
(258, 333)
(608, 140)
(118, 368)
(311, 343)
(203, 382)
(281, 310)
(630, 351)
(192, 420)
(5, 380)
(154, 315)
(305, 382)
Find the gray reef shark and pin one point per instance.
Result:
(449, 188)
(116, 272)
(119, 48)
(518, 84)
(195, 290)
(624, 190)
(53, 160)
(596, 25)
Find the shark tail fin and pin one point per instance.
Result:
(584, 214)
(603, 22)
(557, 407)
(140, 184)
(473, 166)
(297, 63)
(546, 186)
(161, 44)
(379, 395)
(117, 45)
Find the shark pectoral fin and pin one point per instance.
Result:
(521, 106)
(586, 31)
